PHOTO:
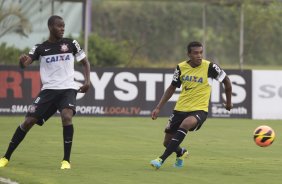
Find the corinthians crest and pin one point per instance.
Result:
(64, 47)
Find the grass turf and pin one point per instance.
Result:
(118, 150)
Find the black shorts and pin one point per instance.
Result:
(177, 117)
(49, 101)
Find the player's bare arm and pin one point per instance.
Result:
(24, 60)
(86, 71)
(228, 92)
(166, 96)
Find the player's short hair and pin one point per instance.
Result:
(193, 44)
(52, 19)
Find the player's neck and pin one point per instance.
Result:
(53, 39)
(192, 64)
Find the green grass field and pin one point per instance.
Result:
(118, 150)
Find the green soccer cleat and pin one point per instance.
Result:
(179, 162)
(157, 163)
(4, 162)
(65, 165)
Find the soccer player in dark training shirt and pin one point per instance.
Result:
(59, 90)
(195, 76)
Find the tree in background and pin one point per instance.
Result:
(105, 52)
(263, 33)
(12, 20)
(158, 31)
(155, 33)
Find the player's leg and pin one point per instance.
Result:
(41, 109)
(36, 114)
(179, 161)
(19, 135)
(192, 122)
(173, 123)
(179, 151)
(68, 130)
(17, 138)
(67, 109)
(177, 139)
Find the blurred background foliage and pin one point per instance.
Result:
(155, 33)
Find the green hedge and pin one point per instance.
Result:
(101, 52)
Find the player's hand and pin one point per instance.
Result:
(228, 106)
(155, 113)
(23, 58)
(84, 88)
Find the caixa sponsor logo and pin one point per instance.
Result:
(64, 57)
(270, 91)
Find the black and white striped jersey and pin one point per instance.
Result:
(57, 63)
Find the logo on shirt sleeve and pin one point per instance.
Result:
(217, 68)
(175, 75)
(32, 50)
(76, 45)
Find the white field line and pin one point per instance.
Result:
(7, 181)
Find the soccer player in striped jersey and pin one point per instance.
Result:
(59, 90)
(191, 109)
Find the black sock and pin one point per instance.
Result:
(174, 143)
(179, 151)
(15, 141)
(68, 135)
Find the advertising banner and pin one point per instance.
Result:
(241, 96)
(267, 97)
(120, 92)
(113, 91)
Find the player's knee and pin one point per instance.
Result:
(66, 116)
(66, 119)
(28, 123)
(189, 123)
(165, 143)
